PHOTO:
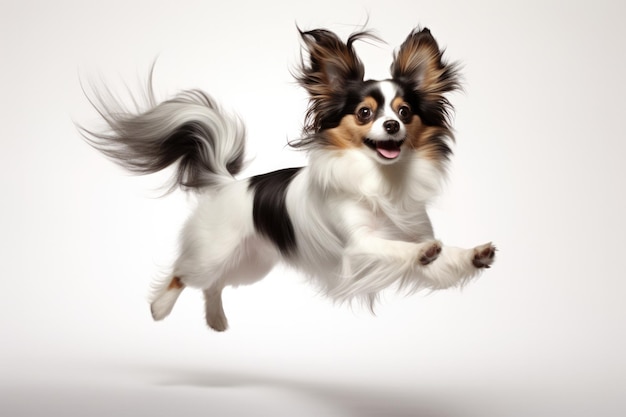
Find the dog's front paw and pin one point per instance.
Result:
(429, 253)
(484, 255)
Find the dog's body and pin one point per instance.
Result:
(354, 220)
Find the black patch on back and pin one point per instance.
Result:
(269, 211)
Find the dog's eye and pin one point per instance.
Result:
(405, 113)
(364, 114)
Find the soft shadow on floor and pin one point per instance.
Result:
(357, 400)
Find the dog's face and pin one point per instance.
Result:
(386, 119)
(378, 118)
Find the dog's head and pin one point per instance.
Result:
(389, 118)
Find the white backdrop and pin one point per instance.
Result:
(538, 169)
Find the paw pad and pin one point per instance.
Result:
(484, 256)
(430, 254)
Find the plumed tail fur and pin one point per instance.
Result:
(190, 130)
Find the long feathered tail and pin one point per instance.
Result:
(190, 130)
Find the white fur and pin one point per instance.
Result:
(360, 227)
(371, 218)
(377, 131)
(358, 210)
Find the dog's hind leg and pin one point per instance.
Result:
(253, 260)
(165, 298)
(215, 317)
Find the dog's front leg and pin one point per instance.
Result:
(371, 261)
(454, 266)
(371, 264)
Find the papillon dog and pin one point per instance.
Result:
(353, 220)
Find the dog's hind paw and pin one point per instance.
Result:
(429, 253)
(484, 255)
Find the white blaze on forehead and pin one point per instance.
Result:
(389, 91)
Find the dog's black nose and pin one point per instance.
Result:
(391, 126)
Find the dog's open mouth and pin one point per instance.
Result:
(388, 149)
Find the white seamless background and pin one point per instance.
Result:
(538, 169)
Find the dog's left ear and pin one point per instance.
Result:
(419, 65)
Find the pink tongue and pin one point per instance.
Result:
(388, 153)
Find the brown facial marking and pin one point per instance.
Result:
(351, 131)
(421, 138)
(426, 144)
(368, 102)
(414, 132)
(402, 109)
(349, 134)
(176, 284)
(397, 102)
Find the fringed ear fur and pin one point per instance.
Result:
(331, 66)
(332, 62)
(419, 65)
